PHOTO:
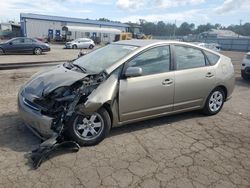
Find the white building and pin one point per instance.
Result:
(41, 26)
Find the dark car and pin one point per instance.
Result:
(23, 45)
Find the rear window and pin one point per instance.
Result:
(212, 58)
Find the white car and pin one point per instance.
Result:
(212, 46)
(80, 43)
(245, 67)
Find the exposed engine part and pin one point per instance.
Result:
(61, 104)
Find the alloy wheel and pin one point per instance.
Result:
(215, 101)
(88, 127)
(38, 51)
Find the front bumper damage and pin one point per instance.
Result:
(46, 127)
(39, 124)
(46, 111)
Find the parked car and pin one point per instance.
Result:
(245, 67)
(80, 43)
(125, 82)
(212, 46)
(23, 45)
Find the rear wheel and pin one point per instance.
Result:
(74, 46)
(214, 102)
(90, 129)
(1, 51)
(37, 51)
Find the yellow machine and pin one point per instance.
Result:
(123, 36)
(145, 37)
(129, 36)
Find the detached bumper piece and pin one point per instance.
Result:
(50, 146)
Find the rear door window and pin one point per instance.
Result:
(28, 41)
(188, 57)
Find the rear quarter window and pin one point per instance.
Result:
(212, 58)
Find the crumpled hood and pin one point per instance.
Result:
(43, 83)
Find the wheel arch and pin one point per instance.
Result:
(107, 107)
(2, 49)
(224, 90)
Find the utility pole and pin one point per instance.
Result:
(240, 26)
(174, 28)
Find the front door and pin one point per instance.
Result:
(194, 79)
(15, 46)
(153, 92)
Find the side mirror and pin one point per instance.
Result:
(133, 72)
(10, 43)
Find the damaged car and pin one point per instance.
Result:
(121, 83)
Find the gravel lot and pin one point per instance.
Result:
(186, 150)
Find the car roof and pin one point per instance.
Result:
(138, 42)
(151, 42)
(82, 39)
(248, 53)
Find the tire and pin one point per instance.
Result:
(74, 46)
(214, 102)
(80, 127)
(1, 51)
(37, 51)
(91, 46)
(245, 76)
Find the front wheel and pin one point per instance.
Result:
(214, 102)
(91, 46)
(89, 130)
(74, 46)
(37, 51)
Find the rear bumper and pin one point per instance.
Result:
(39, 124)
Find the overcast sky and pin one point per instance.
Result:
(225, 12)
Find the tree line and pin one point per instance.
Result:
(169, 29)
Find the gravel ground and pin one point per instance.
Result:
(186, 150)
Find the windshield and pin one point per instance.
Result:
(104, 57)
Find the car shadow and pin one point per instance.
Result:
(156, 122)
(22, 54)
(239, 81)
(14, 135)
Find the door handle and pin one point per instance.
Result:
(209, 75)
(167, 81)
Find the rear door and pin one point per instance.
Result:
(82, 43)
(194, 78)
(149, 94)
(28, 45)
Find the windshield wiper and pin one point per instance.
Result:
(81, 68)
